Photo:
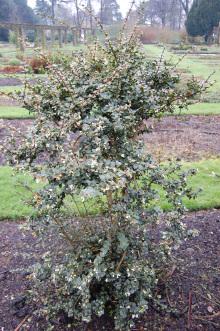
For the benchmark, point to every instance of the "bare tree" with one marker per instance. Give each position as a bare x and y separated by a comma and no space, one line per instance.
186,4
101,10
164,12
90,8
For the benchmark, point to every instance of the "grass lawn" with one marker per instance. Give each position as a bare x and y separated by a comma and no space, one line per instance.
9,51
10,112
14,113
208,179
202,109
13,195
9,89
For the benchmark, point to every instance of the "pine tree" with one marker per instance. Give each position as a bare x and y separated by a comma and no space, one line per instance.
203,17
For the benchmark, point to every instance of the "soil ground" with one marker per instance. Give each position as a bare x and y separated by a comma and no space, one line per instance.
193,288
10,81
6,101
188,137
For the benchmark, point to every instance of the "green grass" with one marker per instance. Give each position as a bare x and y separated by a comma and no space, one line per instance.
13,195
9,112
14,113
208,179
9,51
202,109
9,89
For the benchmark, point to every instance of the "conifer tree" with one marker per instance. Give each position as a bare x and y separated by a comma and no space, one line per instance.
203,17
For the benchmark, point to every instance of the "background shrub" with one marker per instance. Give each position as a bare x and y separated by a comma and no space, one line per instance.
20,56
38,64
14,62
12,37
150,35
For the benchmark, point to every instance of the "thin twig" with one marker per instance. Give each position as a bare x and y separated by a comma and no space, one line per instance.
21,323
190,311
207,317
121,261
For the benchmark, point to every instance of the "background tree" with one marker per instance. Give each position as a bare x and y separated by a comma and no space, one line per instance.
42,9
167,13
15,11
46,10
186,4
90,8
6,7
23,13
109,12
203,17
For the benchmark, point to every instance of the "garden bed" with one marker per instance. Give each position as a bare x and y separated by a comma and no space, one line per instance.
193,288
188,137
10,81
18,124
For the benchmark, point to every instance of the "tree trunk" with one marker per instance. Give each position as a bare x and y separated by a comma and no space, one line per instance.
53,5
101,11
90,17
78,25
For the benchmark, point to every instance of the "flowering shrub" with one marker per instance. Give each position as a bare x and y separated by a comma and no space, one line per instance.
86,145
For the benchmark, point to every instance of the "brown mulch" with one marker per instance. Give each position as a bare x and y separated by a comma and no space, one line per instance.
188,137
192,291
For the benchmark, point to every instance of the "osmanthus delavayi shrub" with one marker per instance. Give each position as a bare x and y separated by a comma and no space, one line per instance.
86,146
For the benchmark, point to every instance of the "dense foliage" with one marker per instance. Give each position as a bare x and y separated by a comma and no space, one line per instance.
203,17
86,147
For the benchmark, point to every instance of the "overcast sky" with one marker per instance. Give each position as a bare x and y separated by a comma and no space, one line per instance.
124,4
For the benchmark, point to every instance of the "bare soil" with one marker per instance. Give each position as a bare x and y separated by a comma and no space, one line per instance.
187,137
10,81
5,125
6,101
192,291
